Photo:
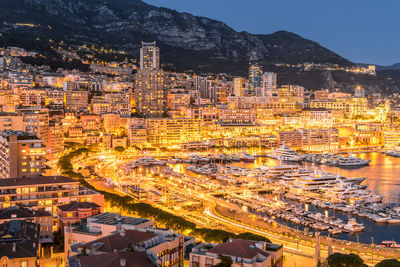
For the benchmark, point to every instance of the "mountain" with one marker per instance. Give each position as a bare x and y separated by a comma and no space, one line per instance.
185,40
395,66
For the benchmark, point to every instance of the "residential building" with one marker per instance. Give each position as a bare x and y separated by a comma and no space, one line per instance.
269,85
101,225
150,94
149,56
36,121
41,217
313,139
33,97
255,78
113,259
74,212
55,142
11,121
21,155
112,122
44,193
90,122
76,100
163,246
238,86
19,243
244,253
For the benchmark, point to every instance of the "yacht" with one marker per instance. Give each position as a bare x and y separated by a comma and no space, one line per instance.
353,226
284,153
393,153
246,157
352,162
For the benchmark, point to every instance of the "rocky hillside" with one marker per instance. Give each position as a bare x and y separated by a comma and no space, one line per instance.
187,42
124,23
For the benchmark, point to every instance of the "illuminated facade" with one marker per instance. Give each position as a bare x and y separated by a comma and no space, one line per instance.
150,93
149,56
255,78
21,155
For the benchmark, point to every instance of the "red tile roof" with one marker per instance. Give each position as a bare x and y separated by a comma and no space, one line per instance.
239,248
119,242
113,259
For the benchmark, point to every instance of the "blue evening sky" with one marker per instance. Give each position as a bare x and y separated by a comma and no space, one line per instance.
362,31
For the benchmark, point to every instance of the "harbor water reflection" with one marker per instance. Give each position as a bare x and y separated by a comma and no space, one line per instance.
383,178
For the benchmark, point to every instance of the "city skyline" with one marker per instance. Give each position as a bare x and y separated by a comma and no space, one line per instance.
362,32
278,154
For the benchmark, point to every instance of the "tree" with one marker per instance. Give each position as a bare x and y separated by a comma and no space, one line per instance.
119,149
226,261
251,236
388,263
345,260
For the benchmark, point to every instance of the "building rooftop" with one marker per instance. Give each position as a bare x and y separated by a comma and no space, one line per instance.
114,259
119,241
14,230
15,212
110,218
20,135
239,248
78,206
36,180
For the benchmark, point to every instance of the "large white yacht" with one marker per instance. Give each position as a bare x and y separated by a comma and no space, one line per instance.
352,162
284,153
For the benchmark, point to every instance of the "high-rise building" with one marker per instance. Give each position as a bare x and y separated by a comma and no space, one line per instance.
201,84
55,141
149,56
238,86
269,84
150,93
255,78
21,155
36,121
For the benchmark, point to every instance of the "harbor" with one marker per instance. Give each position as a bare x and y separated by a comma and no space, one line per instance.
379,217
348,204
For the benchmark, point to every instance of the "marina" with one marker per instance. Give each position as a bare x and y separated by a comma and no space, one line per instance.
378,216
349,204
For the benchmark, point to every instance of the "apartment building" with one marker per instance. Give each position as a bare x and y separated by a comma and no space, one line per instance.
44,193
21,154
100,225
244,253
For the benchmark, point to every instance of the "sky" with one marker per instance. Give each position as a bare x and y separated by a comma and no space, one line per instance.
362,31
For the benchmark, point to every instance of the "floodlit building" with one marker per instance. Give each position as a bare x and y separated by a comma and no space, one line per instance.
149,56
255,78
21,155
44,193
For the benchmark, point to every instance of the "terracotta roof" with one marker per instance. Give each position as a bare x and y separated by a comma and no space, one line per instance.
11,182
113,259
119,242
78,205
239,248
